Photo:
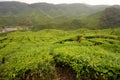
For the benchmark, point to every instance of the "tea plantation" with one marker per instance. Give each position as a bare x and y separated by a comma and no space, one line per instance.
52,54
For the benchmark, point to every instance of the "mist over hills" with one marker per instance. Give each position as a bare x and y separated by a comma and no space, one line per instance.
65,9
62,16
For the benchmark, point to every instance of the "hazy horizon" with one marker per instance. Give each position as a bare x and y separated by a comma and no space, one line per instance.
90,2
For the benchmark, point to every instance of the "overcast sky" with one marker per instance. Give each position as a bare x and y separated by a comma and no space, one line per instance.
93,2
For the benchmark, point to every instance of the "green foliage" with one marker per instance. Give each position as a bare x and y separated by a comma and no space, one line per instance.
110,17
40,16
92,54
34,54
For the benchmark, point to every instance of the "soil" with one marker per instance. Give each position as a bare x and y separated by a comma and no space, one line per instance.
65,73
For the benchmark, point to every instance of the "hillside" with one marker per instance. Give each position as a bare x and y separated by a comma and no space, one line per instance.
44,41
9,8
52,54
108,18
50,9
111,17
39,16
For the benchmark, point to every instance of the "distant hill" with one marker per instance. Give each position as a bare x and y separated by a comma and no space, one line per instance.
108,18
39,16
7,8
111,17
50,9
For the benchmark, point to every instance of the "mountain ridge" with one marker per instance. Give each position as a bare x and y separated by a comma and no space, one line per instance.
63,16
20,5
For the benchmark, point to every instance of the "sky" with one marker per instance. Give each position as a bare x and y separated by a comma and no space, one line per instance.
92,2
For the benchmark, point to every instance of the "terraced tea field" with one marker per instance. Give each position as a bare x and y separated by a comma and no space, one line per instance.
60,55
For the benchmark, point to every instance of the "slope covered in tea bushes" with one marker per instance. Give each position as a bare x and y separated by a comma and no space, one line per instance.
48,54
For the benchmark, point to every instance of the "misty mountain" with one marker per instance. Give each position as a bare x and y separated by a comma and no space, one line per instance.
13,8
111,17
49,9
59,16
108,18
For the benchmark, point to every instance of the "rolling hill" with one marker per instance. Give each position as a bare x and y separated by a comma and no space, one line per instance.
39,16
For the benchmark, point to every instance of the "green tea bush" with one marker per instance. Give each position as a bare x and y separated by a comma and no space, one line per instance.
91,54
